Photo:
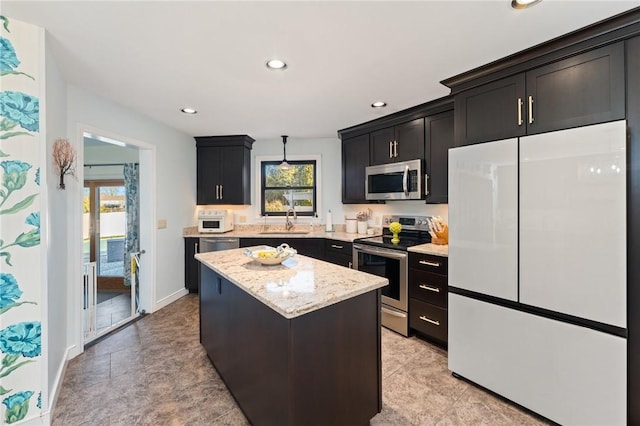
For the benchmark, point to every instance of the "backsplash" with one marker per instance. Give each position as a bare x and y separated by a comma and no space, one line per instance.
248,215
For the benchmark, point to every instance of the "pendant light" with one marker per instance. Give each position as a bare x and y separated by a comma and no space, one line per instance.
284,165
523,4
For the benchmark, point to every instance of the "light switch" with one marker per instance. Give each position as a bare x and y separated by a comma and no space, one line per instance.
162,223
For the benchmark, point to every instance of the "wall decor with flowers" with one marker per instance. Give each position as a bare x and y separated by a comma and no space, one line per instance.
20,251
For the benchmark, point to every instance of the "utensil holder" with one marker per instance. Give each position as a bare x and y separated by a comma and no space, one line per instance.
442,237
362,227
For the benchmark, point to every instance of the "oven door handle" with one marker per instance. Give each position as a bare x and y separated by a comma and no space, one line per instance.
393,313
381,253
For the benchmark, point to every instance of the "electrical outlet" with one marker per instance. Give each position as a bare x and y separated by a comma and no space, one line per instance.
242,219
162,223
377,220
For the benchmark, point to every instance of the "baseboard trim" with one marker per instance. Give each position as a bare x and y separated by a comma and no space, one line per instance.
45,417
53,399
170,299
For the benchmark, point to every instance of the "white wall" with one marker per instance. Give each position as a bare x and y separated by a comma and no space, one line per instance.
175,176
330,196
58,290
106,153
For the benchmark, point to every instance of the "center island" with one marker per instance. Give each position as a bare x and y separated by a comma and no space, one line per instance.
296,343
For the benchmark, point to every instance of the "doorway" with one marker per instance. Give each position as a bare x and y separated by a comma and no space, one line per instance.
104,207
111,247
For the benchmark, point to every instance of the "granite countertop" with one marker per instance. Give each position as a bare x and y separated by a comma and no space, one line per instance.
434,249
255,232
297,286
249,231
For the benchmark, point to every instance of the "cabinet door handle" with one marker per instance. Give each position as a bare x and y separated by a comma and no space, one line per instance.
426,184
195,247
217,192
221,196
530,109
390,149
395,148
428,287
336,246
429,320
426,262
519,111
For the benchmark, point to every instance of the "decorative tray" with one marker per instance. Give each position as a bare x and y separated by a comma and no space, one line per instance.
267,255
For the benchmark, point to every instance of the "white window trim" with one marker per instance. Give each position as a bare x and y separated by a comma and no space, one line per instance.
257,199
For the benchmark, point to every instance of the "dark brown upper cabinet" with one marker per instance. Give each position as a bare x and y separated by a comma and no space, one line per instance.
355,158
398,143
412,134
438,139
584,89
490,112
224,169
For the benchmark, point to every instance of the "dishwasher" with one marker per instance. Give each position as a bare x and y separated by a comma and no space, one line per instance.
194,246
208,244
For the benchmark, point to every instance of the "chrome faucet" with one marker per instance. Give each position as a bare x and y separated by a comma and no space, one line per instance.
288,224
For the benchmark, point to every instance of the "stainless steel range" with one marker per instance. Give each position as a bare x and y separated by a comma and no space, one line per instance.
379,256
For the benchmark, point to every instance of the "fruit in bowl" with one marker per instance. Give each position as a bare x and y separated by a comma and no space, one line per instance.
267,255
264,254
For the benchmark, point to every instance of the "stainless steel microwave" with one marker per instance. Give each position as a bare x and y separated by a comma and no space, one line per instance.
394,181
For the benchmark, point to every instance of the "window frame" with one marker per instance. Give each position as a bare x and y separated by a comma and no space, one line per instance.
264,162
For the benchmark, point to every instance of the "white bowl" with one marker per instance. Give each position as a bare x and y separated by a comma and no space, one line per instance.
267,255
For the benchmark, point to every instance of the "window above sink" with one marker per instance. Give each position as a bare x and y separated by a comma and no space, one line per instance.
294,188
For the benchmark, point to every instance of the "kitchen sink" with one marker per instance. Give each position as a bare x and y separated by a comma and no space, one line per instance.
285,232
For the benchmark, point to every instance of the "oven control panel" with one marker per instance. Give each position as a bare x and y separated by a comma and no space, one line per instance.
420,223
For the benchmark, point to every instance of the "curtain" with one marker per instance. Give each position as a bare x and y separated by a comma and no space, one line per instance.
132,207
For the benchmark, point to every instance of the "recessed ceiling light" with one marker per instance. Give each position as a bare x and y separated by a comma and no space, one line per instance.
276,64
523,4
378,104
188,110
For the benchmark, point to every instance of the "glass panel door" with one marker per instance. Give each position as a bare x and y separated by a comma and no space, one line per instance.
104,228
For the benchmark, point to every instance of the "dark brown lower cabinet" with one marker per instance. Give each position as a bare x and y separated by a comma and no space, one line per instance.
428,289
338,252
429,320
321,368
191,265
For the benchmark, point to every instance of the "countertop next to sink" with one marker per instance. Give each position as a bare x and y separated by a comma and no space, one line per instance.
298,286
254,232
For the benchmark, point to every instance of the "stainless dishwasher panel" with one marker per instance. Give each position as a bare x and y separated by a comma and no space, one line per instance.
216,244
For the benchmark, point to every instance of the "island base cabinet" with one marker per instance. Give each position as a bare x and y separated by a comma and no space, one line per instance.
320,368
570,374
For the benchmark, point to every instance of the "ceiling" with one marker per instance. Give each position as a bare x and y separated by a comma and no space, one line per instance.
158,56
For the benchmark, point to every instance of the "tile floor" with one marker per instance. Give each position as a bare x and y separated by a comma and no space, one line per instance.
112,311
154,372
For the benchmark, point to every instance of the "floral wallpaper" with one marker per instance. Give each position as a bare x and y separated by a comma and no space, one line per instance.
20,255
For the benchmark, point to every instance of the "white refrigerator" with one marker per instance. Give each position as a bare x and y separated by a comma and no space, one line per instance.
537,271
